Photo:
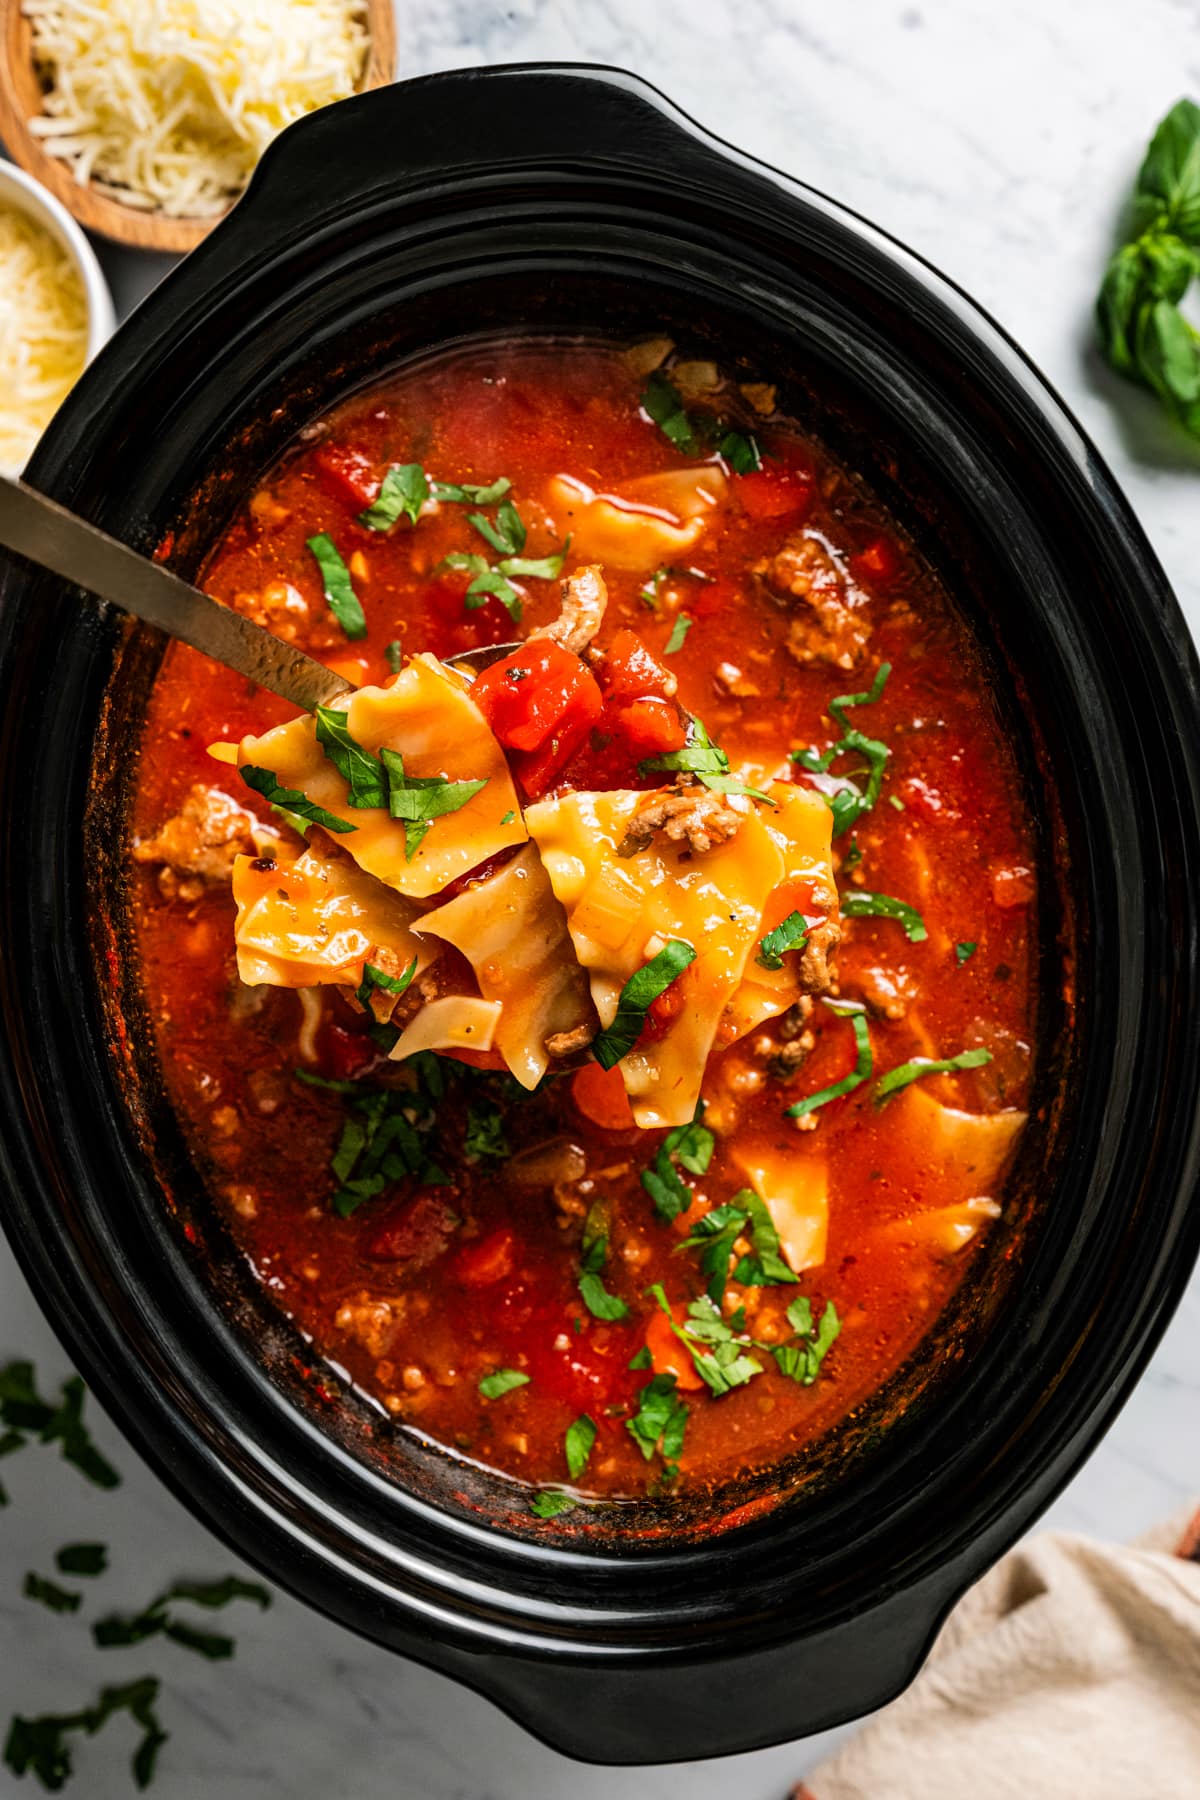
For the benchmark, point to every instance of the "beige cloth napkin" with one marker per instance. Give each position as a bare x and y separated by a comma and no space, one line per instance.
1070,1672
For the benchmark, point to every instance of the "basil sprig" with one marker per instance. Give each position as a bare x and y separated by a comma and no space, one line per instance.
920,1066
1142,331
344,603
636,997
858,904
846,800
856,1013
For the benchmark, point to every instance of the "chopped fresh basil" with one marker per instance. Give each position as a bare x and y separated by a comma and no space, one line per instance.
679,630
845,1009
661,403
717,1351
389,984
81,1559
699,756
660,1420
637,996
420,799
964,952
908,1072
343,602
24,1413
486,580
714,1236
648,592
485,1131
49,1594
363,772
853,855
765,1267
507,534
385,1137
578,1444
693,1145
895,801
800,1359
550,1503
40,1746
502,1381
508,818
404,490
790,934
536,568
265,782
292,820
641,1359
857,904
120,1630
462,492
599,1302
394,655
845,798
740,450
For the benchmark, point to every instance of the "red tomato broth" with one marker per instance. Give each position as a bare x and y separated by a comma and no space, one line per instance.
488,1271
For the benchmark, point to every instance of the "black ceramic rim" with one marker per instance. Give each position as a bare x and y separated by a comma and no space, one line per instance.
621,1659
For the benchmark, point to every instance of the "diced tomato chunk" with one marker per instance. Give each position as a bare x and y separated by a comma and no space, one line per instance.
878,563
539,693
416,1232
493,1258
630,671
600,1096
668,1356
349,475
773,492
663,1010
651,726
578,1372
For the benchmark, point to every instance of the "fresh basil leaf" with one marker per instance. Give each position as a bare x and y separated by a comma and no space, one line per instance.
404,490
662,404
578,1444
699,756
964,952
264,782
637,996
599,1302
507,534
859,1073
641,1359
1168,184
671,1195
358,767
550,1503
420,799
473,496
486,581
858,904
714,1236
211,1644
692,1143
679,630
49,1594
293,821
648,592
790,934
869,696
343,602
766,1267
537,568
908,1072
394,655
660,1419
389,984
801,1359
81,1559
740,450
502,1381
485,1135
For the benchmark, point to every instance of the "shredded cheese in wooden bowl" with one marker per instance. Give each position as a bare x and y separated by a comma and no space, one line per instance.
167,105
43,332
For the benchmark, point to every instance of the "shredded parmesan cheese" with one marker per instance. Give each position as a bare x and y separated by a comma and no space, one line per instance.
167,105
43,333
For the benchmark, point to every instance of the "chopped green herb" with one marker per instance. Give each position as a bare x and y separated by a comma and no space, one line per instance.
40,1745
693,1145
800,1359
714,1236
660,1420
385,1137
964,952
550,1503
58,1599
578,1444
845,1009
119,1630
22,1410
292,820
661,403
420,799
679,630
507,534
853,855
765,1267
897,802
648,592
637,996
641,1359
343,602
857,904
908,1072
394,655
404,490
791,934
508,817
485,1131
486,581
719,1354
502,1381
845,799
740,450
599,1302
704,759
363,772
389,984
462,492
81,1559
264,782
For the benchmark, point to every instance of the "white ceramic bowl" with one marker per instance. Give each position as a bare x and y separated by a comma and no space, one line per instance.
30,197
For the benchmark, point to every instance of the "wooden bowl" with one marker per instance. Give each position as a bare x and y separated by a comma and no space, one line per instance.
21,100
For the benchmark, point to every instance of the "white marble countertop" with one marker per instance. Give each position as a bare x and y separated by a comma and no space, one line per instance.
999,142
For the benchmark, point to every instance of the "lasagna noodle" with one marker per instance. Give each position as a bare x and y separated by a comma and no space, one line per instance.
315,922
513,932
793,1185
622,909
426,714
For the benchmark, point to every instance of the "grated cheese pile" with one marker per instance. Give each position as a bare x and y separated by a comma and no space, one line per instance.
167,105
43,333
